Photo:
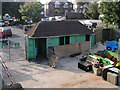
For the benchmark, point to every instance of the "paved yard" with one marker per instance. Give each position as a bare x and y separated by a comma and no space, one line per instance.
40,75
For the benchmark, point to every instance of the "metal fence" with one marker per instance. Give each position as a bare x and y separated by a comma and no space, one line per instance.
10,50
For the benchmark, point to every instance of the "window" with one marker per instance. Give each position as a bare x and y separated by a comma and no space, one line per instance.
66,5
66,11
67,39
57,6
57,11
85,6
61,40
70,6
72,11
80,11
81,7
87,37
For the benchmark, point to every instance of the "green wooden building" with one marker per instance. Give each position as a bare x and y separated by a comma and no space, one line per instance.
48,34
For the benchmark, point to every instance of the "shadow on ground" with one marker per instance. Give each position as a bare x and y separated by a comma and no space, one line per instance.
17,76
68,64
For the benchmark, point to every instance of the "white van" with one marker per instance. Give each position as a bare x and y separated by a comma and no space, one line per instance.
59,18
52,19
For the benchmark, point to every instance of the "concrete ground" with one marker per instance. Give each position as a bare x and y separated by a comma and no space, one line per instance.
40,75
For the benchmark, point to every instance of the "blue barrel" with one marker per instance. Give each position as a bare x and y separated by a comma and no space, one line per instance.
112,45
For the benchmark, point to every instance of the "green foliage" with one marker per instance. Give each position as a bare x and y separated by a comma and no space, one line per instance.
19,22
56,11
12,9
81,3
62,12
111,12
0,17
31,11
29,26
92,12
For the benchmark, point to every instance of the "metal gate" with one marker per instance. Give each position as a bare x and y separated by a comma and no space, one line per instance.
11,50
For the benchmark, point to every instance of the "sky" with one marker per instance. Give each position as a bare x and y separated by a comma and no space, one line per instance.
43,1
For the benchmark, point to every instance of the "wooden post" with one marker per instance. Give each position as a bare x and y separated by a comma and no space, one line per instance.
119,78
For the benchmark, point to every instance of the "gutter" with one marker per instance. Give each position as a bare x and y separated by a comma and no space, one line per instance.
59,36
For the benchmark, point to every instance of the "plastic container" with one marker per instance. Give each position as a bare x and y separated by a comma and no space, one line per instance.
17,45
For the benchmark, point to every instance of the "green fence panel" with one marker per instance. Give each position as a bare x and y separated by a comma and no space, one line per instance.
92,39
30,48
77,38
53,41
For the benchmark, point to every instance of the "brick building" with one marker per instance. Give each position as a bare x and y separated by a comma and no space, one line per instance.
57,7
78,8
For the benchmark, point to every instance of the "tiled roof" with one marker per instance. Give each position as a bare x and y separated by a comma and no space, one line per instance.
58,28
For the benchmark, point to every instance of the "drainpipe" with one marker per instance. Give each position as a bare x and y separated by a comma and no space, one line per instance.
119,47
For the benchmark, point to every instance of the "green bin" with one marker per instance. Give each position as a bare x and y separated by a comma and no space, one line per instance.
1,45
17,45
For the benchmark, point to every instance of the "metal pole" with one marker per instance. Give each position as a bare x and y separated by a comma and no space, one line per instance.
1,68
2,78
9,47
1,65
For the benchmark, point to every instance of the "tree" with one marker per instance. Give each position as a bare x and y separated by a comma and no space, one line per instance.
81,3
92,12
56,10
31,11
111,12
12,9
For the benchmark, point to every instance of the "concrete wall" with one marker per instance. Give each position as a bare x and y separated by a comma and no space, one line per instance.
98,35
84,46
70,49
